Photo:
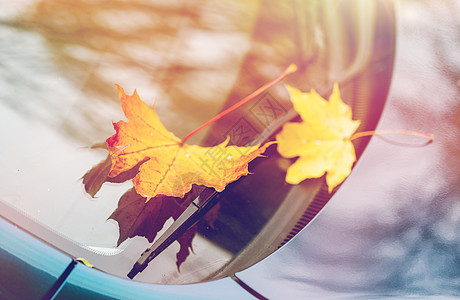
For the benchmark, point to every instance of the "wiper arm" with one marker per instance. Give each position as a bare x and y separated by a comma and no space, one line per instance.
197,209
187,219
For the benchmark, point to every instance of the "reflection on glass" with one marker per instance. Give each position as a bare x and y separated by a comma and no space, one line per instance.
60,60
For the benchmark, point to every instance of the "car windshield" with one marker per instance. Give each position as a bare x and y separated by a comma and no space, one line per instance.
191,59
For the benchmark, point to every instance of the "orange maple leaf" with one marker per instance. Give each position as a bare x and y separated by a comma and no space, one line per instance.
171,166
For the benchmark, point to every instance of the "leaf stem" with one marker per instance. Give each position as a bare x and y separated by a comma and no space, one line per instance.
289,70
391,131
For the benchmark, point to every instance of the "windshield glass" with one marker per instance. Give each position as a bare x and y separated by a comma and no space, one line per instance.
61,59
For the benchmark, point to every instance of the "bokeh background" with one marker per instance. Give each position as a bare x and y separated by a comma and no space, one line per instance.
392,228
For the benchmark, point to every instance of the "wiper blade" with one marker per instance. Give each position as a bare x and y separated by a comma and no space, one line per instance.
187,219
197,209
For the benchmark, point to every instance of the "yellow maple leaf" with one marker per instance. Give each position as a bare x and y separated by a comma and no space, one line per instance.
171,166
321,141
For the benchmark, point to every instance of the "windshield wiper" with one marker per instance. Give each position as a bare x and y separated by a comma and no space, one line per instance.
198,208
192,214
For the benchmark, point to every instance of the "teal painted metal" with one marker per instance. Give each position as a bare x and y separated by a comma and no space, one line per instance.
88,283
28,267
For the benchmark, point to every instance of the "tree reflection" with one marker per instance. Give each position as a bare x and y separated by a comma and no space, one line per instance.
189,55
